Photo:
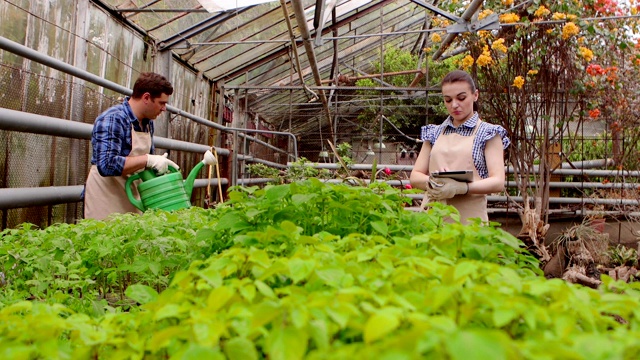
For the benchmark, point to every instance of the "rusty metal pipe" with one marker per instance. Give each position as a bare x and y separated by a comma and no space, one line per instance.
306,39
466,16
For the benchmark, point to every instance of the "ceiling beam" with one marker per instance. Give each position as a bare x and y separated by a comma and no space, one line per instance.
186,34
282,51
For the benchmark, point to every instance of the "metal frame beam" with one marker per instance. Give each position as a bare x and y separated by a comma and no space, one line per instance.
285,49
186,34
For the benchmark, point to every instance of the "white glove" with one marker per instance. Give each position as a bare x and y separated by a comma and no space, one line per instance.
209,158
445,188
160,163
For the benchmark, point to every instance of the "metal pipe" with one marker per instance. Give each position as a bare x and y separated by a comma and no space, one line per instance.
137,10
466,16
13,120
581,185
508,170
254,181
344,37
13,198
328,88
568,200
311,55
294,46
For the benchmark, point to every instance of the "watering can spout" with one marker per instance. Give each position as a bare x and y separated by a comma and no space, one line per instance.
209,159
188,183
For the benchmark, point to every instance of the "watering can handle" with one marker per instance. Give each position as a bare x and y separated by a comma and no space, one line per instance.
127,188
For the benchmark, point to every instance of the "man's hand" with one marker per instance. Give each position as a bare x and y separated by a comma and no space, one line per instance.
446,189
160,163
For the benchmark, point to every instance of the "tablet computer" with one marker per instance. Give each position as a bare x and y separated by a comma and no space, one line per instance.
460,175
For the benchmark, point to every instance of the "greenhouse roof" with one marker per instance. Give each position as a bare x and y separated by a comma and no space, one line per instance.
246,45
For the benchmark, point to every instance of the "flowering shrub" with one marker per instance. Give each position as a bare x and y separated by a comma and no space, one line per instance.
549,64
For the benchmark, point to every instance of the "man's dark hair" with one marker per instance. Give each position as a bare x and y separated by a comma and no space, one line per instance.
154,84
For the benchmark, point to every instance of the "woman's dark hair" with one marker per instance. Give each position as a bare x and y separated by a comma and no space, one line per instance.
154,84
461,75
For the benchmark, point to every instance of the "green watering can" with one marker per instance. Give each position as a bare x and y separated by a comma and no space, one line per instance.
168,191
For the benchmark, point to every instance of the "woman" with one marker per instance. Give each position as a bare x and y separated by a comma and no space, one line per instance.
461,142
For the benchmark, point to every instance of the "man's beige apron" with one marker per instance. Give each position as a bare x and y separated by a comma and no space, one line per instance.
105,195
454,152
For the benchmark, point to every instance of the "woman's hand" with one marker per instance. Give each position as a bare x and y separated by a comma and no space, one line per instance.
445,188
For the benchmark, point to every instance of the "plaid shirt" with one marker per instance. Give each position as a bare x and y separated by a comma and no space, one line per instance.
111,138
485,133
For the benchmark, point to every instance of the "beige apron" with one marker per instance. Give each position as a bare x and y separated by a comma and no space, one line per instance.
105,195
454,152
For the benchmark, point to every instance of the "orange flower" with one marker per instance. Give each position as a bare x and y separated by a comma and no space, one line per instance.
587,54
484,13
467,61
518,82
509,18
542,11
498,45
569,29
558,16
485,58
594,114
595,69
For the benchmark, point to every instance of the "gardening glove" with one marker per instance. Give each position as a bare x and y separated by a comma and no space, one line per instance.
209,158
445,188
160,163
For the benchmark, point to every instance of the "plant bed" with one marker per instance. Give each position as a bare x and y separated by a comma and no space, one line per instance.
303,270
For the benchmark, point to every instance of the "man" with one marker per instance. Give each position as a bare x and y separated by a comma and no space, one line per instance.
122,142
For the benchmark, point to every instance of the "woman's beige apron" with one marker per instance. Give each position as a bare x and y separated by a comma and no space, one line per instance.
455,152
105,195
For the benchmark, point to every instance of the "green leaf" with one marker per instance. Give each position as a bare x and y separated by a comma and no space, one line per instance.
301,199
502,317
154,267
205,234
263,313
380,227
287,343
331,277
240,348
233,222
320,334
167,311
379,325
248,292
219,297
477,344
264,289
277,192
198,352
162,338
300,269
141,293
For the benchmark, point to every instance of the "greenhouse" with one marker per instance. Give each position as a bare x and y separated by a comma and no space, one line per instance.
319,179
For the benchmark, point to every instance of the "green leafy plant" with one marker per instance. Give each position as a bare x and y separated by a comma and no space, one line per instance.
264,171
315,270
621,255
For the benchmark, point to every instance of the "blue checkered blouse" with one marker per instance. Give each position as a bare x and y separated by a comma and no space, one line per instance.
111,138
485,133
